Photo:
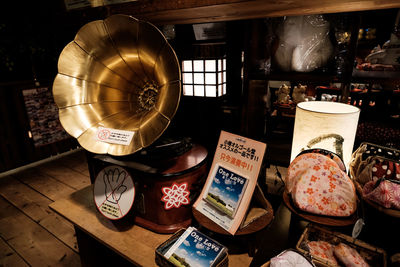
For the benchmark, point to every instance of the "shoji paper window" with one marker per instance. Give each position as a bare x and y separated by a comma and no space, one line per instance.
204,77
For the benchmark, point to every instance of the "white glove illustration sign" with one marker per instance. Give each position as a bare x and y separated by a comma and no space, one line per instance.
114,192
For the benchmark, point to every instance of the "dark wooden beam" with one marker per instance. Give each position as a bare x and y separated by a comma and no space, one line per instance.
162,12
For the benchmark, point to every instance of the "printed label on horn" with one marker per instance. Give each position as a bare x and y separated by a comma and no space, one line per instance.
114,192
114,136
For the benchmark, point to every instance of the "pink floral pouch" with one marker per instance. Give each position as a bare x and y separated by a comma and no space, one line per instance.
323,250
318,185
349,256
383,192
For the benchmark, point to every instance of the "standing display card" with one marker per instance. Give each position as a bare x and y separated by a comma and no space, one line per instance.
230,184
193,248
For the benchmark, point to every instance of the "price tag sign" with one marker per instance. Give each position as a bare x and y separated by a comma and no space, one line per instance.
357,228
114,136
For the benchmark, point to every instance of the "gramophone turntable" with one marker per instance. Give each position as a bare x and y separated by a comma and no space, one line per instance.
117,89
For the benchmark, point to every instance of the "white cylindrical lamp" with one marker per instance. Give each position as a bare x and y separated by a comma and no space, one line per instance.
328,125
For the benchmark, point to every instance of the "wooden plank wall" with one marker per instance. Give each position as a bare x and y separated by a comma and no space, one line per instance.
31,234
14,128
16,148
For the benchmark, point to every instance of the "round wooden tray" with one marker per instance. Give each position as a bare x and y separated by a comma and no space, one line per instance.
320,219
254,226
390,212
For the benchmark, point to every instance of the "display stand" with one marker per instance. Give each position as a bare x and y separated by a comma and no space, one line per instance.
259,215
320,219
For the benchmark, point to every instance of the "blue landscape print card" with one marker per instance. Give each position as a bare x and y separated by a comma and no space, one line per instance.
195,249
226,190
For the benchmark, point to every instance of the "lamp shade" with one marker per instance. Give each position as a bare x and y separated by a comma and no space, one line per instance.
328,125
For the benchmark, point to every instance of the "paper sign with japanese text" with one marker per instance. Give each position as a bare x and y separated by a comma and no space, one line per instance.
114,192
230,184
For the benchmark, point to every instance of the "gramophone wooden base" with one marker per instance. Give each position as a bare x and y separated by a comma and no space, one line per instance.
150,209
162,229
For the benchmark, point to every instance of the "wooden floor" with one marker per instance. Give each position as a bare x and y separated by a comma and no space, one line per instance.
30,233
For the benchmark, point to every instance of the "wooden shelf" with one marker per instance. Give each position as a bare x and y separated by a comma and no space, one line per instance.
376,76
296,76
318,77
120,239
162,12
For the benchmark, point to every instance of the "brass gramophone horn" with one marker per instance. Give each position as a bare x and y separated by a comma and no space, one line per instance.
118,73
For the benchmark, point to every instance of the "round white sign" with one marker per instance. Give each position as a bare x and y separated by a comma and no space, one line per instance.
114,192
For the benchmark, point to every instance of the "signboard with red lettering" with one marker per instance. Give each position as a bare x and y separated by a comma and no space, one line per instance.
230,184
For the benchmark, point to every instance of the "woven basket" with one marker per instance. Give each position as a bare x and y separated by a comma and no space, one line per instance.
373,256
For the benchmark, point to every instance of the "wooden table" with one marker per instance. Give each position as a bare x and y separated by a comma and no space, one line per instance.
119,243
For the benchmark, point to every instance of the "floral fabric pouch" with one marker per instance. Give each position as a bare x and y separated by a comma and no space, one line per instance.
383,192
323,250
349,256
318,185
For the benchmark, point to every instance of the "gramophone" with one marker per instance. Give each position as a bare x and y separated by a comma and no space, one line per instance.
117,89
